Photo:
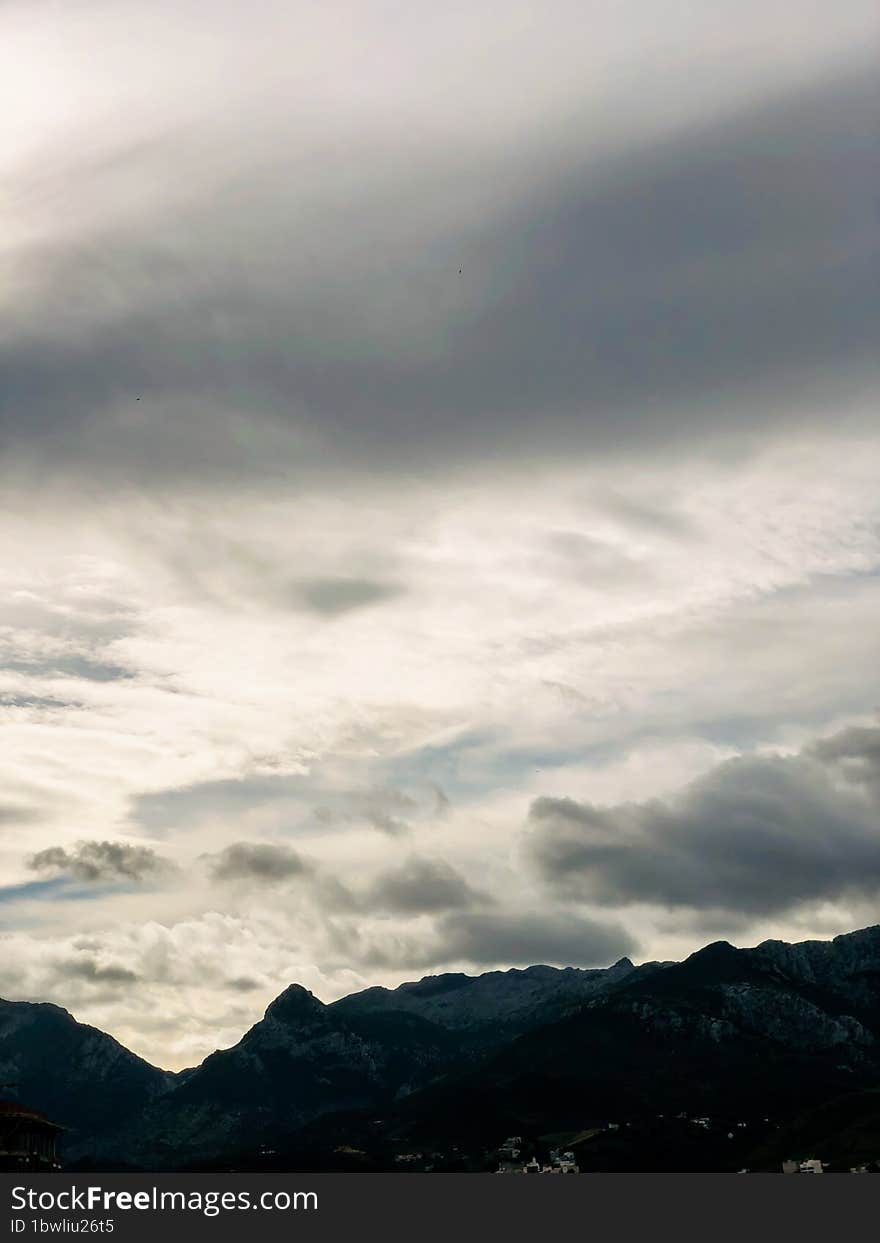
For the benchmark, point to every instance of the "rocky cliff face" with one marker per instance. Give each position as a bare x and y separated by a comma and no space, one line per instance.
816,998
494,1005
848,957
846,969
768,1030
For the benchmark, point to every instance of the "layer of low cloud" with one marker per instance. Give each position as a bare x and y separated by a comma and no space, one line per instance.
558,938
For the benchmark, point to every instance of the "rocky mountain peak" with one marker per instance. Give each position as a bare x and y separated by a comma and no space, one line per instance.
715,961
294,1006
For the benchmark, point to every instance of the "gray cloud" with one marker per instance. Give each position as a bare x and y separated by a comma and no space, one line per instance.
560,938
257,861
854,753
759,834
382,807
12,813
92,972
165,809
332,596
420,885
261,864
442,802
243,984
102,862
495,936
71,667
30,702
684,284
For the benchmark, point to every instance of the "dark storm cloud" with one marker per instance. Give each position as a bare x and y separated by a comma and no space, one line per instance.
257,861
690,283
332,596
758,835
422,885
558,938
102,862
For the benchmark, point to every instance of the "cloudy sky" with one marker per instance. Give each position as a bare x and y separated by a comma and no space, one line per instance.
439,456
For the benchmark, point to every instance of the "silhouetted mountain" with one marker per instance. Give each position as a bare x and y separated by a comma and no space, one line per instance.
454,1060
82,1078
301,1060
305,1059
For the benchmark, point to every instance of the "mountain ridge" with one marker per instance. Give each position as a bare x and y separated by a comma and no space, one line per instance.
765,1028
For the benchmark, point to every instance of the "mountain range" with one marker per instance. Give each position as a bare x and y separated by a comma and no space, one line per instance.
754,1038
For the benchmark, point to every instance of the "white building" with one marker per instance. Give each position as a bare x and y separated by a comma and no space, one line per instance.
811,1166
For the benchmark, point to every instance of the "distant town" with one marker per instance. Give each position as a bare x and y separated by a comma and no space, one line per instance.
576,1152
28,1143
